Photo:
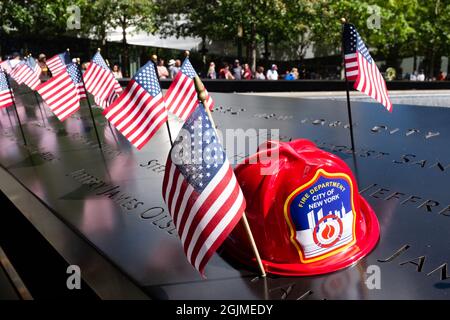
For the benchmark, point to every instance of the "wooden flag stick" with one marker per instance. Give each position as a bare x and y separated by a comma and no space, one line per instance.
15,108
35,95
349,109
40,109
154,59
107,121
202,97
89,104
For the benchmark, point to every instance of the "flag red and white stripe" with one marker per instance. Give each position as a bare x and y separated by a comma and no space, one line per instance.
139,111
351,66
23,73
100,81
181,97
5,99
56,64
105,103
6,95
361,68
368,79
61,95
202,194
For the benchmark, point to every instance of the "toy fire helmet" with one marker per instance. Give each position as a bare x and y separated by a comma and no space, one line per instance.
304,210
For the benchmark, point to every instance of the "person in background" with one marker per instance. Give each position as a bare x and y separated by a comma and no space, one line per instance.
259,75
247,73
272,73
225,73
293,75
15,59
42,63
421,76
84,66
413,76
441,76
294,71
162,70
116,72
222,71
211,71
289,76
173,69
237,70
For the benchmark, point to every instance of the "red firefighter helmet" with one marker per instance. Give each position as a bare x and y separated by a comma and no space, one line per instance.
304,210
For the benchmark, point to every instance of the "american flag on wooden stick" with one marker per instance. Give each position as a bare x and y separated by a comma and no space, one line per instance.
139,111
181,97
361,68
60,94
201,190
27,73
75,74
100,82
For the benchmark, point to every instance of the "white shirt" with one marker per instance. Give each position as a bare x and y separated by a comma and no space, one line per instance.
272,74
260,76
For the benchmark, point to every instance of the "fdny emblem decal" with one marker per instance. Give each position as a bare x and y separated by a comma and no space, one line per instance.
321,216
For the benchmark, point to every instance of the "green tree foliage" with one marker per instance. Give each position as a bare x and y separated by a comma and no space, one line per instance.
101,15
407,27
34,17
49,18
247,21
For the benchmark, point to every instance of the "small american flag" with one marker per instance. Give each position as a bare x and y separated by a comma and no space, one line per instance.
61,95
361,68
139,111
26,72
181,97
100,82
57,63
6,95
75,74
201,190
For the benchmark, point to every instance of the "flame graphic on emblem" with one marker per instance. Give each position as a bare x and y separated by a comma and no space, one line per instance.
328,232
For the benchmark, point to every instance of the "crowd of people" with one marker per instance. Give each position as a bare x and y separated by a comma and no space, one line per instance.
227,71
420,76
244,72
234,71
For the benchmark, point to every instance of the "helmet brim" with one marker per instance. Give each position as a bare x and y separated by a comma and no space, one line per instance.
367,239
